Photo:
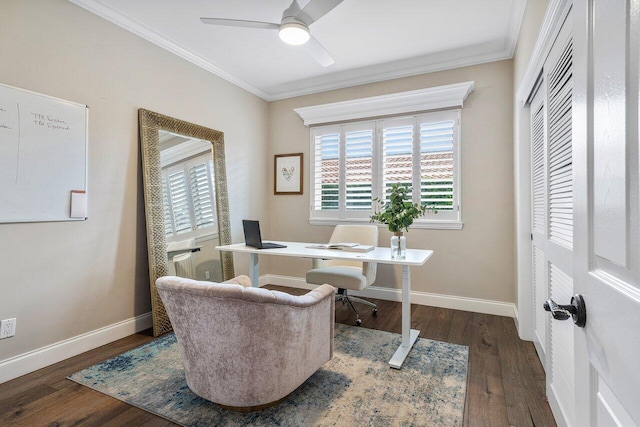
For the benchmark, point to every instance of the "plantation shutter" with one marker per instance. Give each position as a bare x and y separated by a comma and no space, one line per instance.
354,164
397,153
560,169
188,195
212,177
436,164
538,169
166,207
326,170
358,169
202,196
179,202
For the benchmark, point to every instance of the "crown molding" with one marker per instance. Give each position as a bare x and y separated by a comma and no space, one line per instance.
182,151
397,103
496,50
515,22
556,13
472,55
102,10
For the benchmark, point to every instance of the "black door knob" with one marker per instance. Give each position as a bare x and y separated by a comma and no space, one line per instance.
576,310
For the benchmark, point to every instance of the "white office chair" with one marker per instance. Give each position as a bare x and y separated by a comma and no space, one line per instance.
183,265
347,275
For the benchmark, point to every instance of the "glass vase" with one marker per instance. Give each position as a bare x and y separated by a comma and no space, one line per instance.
398,246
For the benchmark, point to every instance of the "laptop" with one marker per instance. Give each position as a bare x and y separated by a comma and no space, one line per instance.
252,236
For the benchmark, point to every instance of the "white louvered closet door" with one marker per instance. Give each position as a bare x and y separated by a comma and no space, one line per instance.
552,205
539,220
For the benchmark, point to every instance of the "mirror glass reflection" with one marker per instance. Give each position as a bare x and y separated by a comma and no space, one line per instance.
189,201
186,204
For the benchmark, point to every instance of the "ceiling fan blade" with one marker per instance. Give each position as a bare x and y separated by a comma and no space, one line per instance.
318,52
316,9
240,23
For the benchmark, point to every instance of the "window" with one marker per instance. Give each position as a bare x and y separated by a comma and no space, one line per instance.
356,162
189,198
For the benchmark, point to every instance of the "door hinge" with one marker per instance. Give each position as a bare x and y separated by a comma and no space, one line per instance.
532,237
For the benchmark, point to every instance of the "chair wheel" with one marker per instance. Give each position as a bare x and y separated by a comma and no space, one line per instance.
374,311
358,322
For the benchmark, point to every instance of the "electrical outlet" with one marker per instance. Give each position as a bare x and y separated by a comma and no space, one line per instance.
207,275
7,328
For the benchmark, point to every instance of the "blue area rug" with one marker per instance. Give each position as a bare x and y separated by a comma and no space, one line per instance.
355,388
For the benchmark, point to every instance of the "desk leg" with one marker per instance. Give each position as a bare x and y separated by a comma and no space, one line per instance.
254,270
409,336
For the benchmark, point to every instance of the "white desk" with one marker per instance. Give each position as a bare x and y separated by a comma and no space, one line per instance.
379,255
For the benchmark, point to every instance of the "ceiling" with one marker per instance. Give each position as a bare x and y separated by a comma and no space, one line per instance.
370,40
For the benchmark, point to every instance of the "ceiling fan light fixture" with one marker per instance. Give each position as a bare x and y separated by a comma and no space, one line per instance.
294,33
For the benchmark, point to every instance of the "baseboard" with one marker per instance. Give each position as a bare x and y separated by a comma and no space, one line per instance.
36,359
422,298
516,318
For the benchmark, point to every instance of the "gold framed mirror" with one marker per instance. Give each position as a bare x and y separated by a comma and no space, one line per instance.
175,162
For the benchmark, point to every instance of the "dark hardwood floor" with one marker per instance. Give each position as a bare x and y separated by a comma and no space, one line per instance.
505,384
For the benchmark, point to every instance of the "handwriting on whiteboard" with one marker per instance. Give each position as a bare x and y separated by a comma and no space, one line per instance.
3,125
50,122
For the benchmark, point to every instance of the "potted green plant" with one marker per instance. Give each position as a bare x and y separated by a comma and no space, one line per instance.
398,214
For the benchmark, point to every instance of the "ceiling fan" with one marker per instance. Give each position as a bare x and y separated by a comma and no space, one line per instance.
294,27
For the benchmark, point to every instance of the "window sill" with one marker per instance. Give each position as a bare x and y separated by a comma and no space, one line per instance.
427,225
200,237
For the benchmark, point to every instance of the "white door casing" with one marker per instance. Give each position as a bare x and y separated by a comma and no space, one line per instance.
607,211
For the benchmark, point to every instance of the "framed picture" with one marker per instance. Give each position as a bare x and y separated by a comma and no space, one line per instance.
288,174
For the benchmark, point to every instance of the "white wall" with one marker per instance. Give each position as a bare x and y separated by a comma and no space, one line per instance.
475,262
64,279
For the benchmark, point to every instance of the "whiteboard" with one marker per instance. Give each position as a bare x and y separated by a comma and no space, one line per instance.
43,155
